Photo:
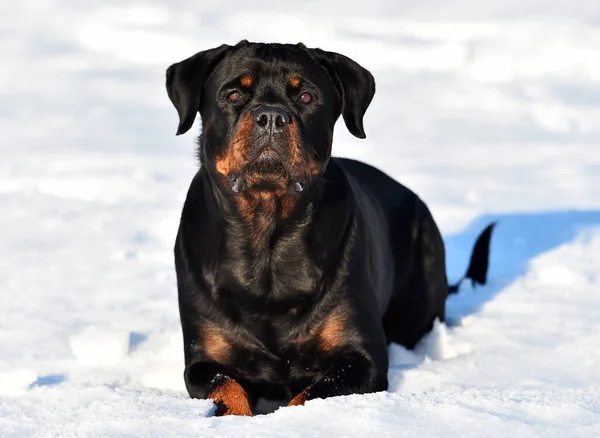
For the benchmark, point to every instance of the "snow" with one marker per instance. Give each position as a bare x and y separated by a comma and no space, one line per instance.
488,110
115,346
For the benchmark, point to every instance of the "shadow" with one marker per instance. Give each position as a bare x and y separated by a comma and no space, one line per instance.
517,239
135,340
265,407
49,380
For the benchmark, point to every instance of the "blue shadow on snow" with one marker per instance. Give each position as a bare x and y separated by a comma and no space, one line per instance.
48,380
517,239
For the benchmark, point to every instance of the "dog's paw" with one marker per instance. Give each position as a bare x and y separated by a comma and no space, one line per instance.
300,399
231,399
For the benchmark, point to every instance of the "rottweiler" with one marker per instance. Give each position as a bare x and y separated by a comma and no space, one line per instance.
295,269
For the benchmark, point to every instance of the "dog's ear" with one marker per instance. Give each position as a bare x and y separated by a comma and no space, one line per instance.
185,80
355,87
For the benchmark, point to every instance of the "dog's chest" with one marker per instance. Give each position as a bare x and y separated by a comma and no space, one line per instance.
268,295
280,278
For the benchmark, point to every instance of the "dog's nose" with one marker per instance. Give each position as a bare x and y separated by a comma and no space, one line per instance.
271,118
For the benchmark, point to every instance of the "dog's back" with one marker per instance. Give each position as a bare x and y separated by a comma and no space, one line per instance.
408,250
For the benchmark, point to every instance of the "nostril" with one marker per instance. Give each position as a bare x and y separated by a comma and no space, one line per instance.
285,118
262,120
280,122
271,118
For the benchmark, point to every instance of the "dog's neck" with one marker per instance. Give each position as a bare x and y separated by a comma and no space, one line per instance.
271,262
256,219
262,248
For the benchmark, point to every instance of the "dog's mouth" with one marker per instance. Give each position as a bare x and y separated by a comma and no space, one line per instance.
266,172
239,183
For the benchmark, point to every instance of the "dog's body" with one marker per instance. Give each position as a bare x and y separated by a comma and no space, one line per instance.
295,270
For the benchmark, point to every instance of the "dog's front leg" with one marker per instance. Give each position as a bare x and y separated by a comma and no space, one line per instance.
204,380
353,373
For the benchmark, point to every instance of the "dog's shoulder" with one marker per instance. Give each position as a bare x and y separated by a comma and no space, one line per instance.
373,189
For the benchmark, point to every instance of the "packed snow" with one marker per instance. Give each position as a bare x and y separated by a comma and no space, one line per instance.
488,110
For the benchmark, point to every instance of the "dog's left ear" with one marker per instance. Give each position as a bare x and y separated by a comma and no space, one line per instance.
185,80
355,87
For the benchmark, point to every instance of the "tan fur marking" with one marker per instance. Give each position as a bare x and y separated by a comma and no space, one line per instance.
300,399
231,399
234,156
288,203
262,208
299,158
259,213
332,333
295,81
313,168
269,202
215,345
295,143
246,81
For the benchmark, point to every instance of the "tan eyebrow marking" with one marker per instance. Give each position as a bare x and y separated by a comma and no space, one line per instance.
295,81
246,81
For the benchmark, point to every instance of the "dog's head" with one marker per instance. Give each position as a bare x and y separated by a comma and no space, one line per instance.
268,111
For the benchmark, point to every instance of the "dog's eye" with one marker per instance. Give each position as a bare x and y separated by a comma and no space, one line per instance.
306,98
234,96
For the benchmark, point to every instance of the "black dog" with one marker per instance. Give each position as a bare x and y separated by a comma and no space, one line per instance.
295,270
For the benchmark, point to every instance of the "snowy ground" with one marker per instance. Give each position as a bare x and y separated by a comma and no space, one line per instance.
488,110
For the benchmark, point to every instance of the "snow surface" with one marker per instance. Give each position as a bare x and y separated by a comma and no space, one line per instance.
489,110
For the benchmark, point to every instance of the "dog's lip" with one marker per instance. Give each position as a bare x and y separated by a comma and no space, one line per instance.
237,181
267,153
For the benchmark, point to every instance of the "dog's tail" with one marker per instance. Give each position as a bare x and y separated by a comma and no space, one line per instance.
480,258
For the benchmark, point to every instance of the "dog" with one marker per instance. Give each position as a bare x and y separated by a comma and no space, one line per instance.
295,269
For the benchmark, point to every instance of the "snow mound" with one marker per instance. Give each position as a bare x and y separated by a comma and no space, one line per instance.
100,346
17,381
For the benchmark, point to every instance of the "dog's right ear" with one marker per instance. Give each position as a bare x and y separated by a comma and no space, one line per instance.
185,80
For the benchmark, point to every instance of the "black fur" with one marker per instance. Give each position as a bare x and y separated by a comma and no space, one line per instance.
295,270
